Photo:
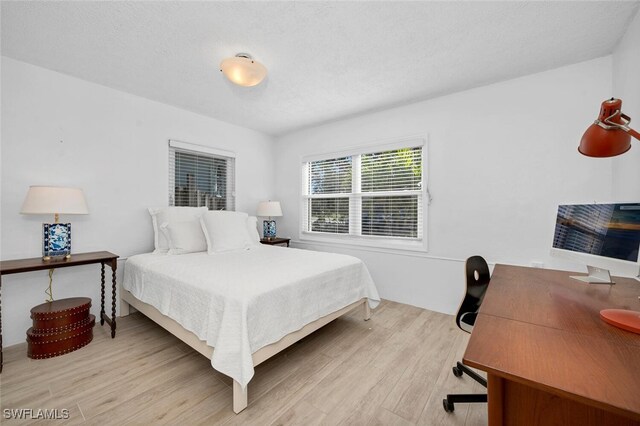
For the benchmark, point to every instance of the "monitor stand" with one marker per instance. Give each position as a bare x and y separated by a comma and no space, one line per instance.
596,276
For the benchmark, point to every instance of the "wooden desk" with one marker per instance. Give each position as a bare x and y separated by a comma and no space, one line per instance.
38,264
549,357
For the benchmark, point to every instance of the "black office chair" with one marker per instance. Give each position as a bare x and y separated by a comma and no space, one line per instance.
478,278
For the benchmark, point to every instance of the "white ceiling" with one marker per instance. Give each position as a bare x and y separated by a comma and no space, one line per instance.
326,60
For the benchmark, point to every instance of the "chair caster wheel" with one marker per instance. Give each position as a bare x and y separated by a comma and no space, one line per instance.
448,406
457,372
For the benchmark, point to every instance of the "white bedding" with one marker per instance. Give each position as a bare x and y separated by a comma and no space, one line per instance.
242,300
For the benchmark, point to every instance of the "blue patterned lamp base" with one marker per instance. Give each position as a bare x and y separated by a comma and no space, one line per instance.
56,239
269,228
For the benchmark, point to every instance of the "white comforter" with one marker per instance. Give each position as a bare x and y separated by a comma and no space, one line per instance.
241,301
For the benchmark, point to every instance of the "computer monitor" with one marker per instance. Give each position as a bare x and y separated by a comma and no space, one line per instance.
605,237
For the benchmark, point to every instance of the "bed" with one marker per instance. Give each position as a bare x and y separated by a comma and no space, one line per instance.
241,307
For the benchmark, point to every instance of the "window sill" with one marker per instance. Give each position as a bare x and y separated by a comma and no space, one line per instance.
415,247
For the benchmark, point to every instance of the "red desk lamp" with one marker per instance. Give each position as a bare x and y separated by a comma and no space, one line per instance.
609,136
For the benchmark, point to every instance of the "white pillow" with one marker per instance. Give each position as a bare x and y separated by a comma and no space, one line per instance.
225,231
184,237
252,228
168,215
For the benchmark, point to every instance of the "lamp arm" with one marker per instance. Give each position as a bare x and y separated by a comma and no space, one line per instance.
609,124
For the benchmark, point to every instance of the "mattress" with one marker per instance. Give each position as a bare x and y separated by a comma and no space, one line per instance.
242,300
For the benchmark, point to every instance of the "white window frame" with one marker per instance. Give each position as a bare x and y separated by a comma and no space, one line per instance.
179,146
369,241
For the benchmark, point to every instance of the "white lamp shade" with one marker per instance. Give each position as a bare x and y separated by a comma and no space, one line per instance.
54,199
243,71
269,209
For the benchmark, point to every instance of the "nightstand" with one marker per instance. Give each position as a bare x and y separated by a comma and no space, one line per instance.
275,241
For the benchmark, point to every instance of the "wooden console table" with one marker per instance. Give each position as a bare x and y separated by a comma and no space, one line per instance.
38,264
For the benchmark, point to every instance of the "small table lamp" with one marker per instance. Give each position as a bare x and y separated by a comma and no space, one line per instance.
269,209
56,237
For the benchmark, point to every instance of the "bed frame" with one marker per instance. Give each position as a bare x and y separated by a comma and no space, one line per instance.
239,394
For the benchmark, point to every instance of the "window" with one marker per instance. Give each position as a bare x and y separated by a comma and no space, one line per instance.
374,195
330,183
200,176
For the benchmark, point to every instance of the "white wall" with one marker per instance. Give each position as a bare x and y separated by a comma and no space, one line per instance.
626,86
59,130
501,158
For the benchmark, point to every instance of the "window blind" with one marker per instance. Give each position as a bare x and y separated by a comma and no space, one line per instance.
200,179
391,192
330,176
374,194
330,183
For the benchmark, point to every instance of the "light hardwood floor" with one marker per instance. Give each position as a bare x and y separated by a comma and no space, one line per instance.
392,370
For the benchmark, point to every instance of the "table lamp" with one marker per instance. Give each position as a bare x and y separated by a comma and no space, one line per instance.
269,209
610,134
56,237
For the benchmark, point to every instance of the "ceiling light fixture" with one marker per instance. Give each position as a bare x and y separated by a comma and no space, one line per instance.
243,70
